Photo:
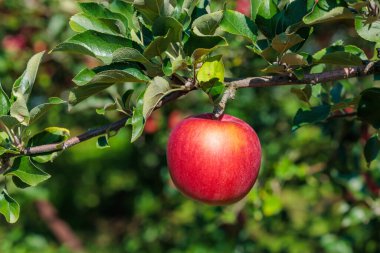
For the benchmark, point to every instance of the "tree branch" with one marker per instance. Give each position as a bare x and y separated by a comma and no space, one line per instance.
250,82
61,229
339,74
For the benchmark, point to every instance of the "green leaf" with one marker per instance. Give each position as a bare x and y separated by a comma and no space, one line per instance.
275,68
4,102
207,24
316,114
162,25
265,15
341,55
24,84
104,14
158,46
38,111
293,59
26,171
368,29
263,8
22,89
125,9
49,135
84,77
368,107
107,107
9,207
126,98
303,94
372,149
211,69
128,54
137,121
8,121
283,41
214,89
20,111
102,142
80,93
152,9
199,46
158,88
327,10
104,77
95,44
82,22
236,23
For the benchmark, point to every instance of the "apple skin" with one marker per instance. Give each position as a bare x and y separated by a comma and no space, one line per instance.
214,161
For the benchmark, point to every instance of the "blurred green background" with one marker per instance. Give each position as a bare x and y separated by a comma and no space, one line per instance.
314,193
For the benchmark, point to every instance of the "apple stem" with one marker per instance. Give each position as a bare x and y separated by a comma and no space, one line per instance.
221,106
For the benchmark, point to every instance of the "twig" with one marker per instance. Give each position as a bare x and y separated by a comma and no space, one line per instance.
221,106
339,74
342,115
59,228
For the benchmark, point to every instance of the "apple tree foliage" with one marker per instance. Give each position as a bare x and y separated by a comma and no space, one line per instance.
151,49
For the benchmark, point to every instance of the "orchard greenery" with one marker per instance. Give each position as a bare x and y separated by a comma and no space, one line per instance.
165,49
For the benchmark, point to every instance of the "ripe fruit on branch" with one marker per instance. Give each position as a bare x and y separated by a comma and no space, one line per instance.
214,161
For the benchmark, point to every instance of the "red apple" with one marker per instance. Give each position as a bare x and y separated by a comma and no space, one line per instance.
174,118
152,123
14,43
214,161
244,7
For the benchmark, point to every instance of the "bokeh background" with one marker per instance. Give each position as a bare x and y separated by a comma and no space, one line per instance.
314,193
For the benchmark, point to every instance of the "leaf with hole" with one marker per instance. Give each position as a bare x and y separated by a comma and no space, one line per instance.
102,142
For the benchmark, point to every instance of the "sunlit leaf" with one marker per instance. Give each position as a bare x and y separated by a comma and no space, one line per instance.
368,29
95,44
236,23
